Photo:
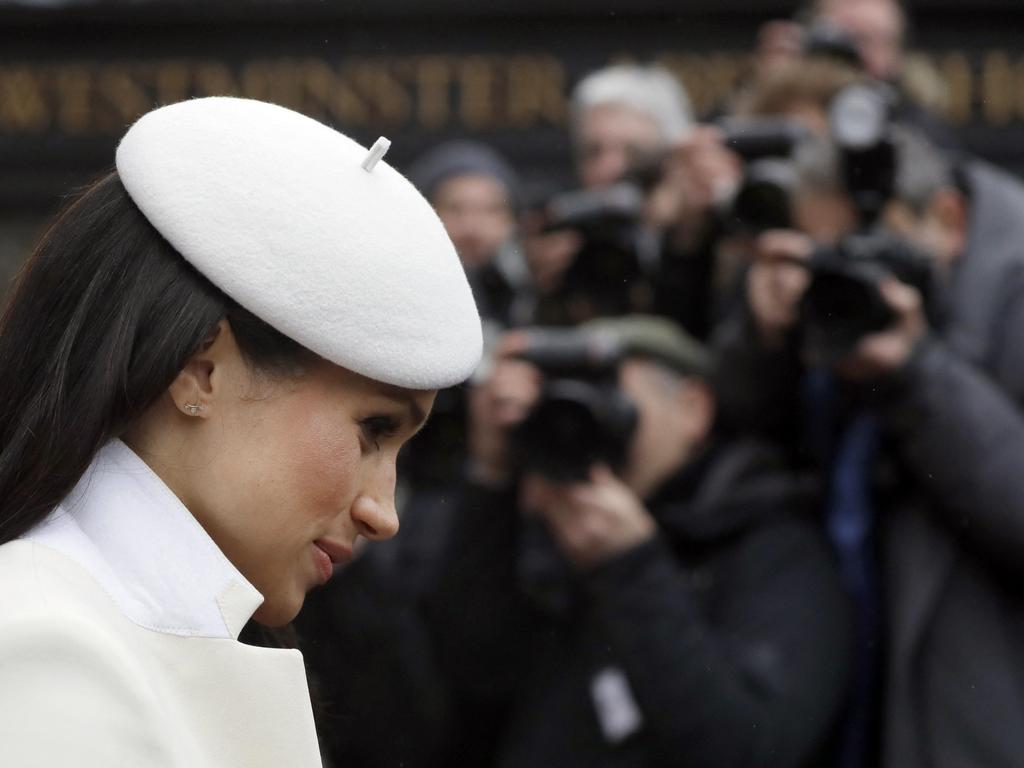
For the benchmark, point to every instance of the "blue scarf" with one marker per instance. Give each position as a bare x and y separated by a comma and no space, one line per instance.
848,453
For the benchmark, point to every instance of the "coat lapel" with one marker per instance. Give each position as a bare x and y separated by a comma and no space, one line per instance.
247,705
920,558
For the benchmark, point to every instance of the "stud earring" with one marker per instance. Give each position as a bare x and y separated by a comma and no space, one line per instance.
193,409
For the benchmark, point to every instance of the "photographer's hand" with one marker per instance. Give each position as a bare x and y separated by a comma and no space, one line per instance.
591,522
699,173
776,282
548,254
887,352
496,406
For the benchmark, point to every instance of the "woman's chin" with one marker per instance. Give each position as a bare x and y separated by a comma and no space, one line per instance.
277,613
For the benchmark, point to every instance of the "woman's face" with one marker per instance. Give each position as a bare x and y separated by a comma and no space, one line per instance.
285,473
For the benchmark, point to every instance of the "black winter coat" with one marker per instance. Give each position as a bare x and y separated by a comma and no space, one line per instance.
722,643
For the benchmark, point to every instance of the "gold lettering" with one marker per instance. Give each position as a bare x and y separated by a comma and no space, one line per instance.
215,79
997,88
326,94
389,102
536,91
74,93
475,81
171,80
276,81
724,72
1018,89
956,73
125,98
23,105
432,79
430,92
692,72
284,77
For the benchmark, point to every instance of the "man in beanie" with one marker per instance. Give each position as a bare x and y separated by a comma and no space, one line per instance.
476,194
675,609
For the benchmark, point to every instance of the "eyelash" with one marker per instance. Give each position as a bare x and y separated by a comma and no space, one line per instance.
376,427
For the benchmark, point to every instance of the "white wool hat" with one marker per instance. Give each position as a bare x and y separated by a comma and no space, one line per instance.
278,211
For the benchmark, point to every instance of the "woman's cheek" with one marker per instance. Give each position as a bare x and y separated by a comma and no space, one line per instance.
325,458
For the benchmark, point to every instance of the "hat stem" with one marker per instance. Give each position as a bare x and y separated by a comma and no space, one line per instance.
377,151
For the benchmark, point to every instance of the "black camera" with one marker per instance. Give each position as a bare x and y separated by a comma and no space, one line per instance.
860,122
607,275
582,417
765,145
843,303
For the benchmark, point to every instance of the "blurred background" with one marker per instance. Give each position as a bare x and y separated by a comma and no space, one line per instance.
75,74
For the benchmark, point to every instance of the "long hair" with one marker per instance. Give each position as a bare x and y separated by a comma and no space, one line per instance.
103,316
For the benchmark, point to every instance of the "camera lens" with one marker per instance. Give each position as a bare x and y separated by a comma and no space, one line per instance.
574,426
842,305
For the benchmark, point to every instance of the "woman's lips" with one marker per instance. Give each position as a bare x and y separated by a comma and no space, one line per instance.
328,554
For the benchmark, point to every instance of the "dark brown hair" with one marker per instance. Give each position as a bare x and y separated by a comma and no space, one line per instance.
103,316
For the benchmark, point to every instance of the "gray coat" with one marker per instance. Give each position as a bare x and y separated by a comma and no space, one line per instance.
955,548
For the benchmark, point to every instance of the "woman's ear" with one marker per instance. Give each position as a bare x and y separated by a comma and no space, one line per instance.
196,387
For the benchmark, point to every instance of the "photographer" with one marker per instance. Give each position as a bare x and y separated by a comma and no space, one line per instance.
672,605
477,196
943,479
871,35
621,116
636,236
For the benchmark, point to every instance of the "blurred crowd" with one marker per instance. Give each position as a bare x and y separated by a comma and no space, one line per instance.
741,479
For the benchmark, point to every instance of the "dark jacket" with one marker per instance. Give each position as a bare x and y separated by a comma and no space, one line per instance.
953,521
955,549
720,643
378,697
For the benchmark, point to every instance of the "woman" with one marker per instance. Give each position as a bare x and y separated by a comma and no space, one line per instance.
206,371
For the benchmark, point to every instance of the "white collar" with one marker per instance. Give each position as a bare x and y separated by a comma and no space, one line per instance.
135,537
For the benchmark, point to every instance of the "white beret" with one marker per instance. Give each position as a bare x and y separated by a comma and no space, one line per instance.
277,211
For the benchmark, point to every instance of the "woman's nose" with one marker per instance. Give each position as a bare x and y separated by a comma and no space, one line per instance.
376,518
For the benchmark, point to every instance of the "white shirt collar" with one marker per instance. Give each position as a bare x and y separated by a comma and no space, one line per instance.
128,529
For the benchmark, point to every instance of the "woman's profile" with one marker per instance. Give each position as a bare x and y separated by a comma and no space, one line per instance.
207,368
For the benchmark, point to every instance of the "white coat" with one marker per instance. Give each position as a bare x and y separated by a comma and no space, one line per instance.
119,620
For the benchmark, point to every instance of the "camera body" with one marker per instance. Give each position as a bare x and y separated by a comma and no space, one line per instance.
607,276
763,200
582,416
843,303
859,125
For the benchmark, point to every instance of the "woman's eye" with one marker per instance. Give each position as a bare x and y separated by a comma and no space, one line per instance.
377,427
